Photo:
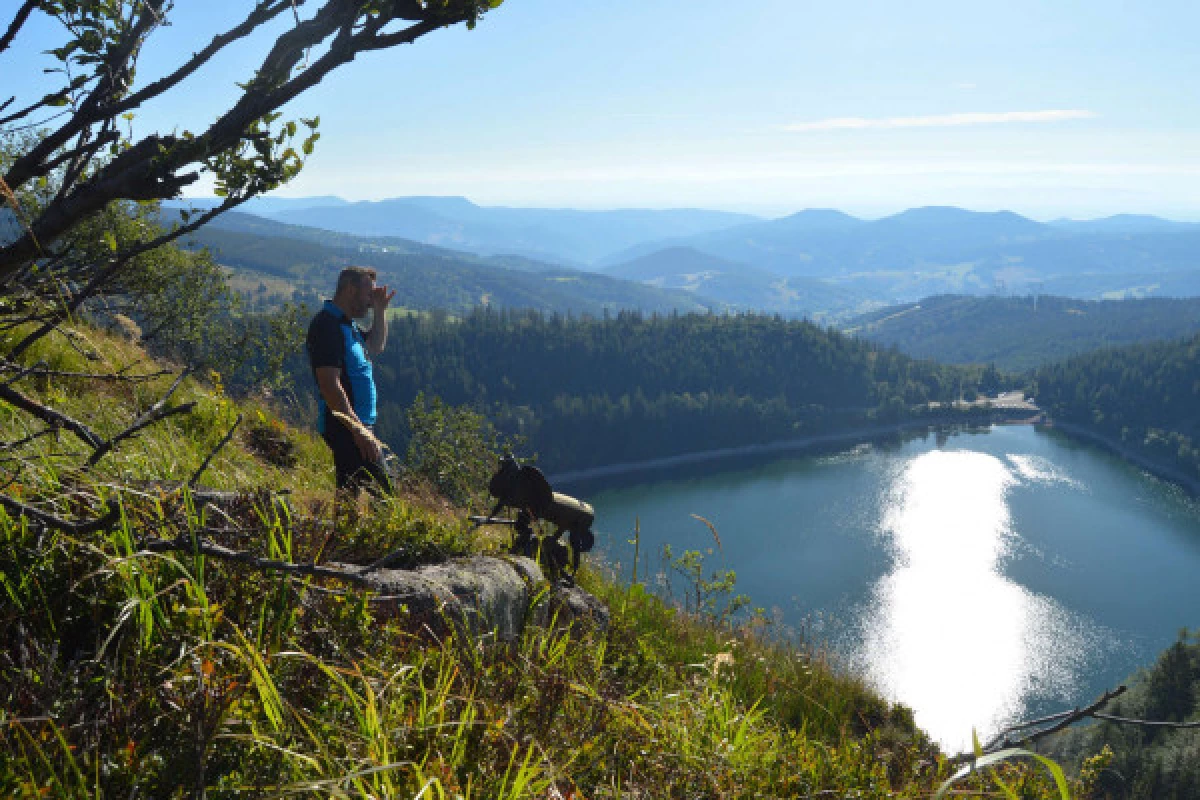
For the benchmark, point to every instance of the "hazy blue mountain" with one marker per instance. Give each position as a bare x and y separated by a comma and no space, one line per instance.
831,261
262,205
427,277
950,250
1120,285
755,241
1017,333
1125,223
239,222
562,235
820,243
739,285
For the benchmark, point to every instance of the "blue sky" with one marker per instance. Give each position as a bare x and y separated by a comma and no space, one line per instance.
1046,108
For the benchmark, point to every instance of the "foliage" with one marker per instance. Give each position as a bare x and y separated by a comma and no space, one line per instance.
126,671
1023,333
427,277
1143,397
454,448
1136,761
713,596
588,391
91,153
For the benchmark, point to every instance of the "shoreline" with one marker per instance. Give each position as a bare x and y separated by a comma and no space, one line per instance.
1158,469
999,416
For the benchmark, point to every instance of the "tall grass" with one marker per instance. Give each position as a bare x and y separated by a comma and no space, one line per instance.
129,673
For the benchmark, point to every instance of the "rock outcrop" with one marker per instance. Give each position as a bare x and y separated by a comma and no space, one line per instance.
481,595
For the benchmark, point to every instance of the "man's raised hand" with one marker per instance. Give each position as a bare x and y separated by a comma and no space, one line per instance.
380,297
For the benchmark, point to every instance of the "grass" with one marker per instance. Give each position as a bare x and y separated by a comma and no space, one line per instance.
126,673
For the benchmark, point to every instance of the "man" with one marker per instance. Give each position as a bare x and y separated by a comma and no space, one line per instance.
340,354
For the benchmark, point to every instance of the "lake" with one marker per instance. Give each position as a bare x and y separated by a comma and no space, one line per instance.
980,578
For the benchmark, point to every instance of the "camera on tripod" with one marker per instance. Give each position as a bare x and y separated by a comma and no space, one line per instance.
525,489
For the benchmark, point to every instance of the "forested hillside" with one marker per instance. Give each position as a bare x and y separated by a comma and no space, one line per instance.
628,387
741,286
1148,761
1143,397
428,277
1018,333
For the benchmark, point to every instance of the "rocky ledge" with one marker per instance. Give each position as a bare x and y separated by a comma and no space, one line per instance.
481,594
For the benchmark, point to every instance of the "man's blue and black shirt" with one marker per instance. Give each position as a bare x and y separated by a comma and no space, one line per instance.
335,340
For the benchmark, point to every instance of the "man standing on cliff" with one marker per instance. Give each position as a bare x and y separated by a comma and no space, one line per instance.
340,354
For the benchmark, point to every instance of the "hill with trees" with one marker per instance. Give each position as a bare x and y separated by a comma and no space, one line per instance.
1142,399
425,277
562,235
1146,760
739,286
627,387
942,250
1021,333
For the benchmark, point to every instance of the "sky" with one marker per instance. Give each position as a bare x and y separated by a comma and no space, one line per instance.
1050,109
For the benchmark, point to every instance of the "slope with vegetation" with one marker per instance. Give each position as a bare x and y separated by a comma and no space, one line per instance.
1021,333
924,251
588,392
1141,400
1158,761
427,277
160,672
740,286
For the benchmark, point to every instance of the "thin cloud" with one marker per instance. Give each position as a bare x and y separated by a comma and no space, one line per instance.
939,120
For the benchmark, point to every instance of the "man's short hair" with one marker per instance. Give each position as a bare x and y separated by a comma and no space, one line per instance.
354,275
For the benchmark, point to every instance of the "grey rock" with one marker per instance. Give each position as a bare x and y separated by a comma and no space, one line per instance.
478,595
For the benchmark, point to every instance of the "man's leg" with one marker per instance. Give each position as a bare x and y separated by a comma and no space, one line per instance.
346,459
353,472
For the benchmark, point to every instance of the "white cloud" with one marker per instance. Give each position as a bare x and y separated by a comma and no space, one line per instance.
939,120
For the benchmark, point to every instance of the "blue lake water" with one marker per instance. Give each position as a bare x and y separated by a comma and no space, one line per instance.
979,577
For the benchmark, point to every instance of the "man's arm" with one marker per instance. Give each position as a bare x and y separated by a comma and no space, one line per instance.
334,395
377,338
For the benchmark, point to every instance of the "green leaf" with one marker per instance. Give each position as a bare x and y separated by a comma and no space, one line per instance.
110,240
1055,770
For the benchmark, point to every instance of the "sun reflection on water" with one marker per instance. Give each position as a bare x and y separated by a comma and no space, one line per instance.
945,632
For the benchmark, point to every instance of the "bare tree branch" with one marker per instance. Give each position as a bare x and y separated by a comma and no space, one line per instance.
224,441
1146,722
186,544
50,520
22,14
152,168
115,265
22,372
1054,724
50,416
262,14
156,412
37,372
26,440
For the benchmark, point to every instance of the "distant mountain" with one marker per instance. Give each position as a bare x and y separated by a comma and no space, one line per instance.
426,277
1125,223
827,244
739,285
940,250
262,205
1018,333
760,243
913,254
562,235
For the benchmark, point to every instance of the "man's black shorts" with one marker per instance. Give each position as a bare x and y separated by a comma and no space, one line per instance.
351,469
